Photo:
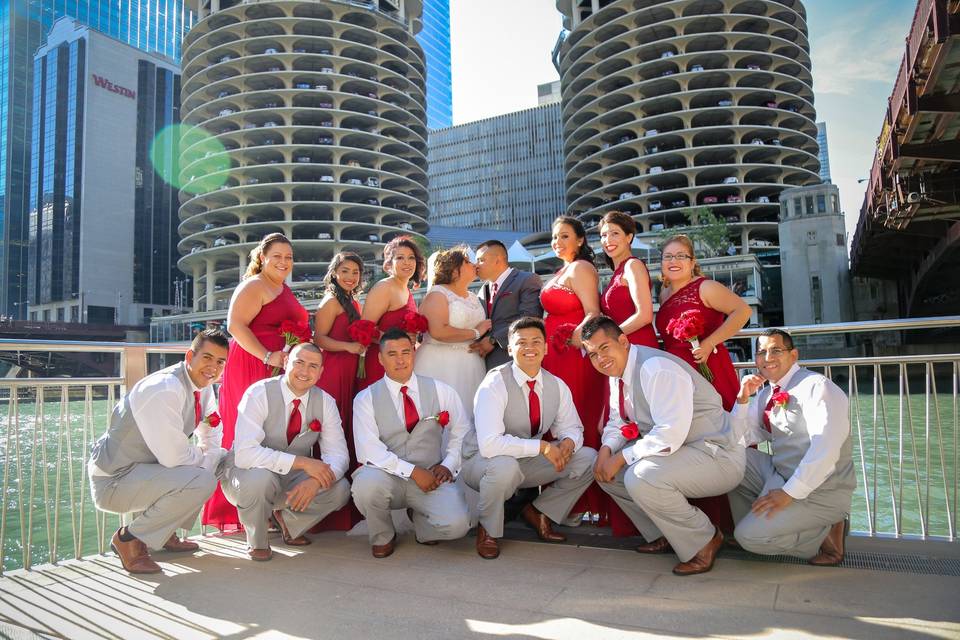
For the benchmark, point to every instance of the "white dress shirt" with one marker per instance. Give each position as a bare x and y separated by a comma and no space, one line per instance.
248,451
366,434
500,280
669,392
156,403
825,411
489,405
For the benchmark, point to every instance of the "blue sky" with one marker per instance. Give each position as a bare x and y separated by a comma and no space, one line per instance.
856,47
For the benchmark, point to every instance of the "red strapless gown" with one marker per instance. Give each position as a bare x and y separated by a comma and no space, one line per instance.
586,384
616,302
241,371
339,379
725,379
390,319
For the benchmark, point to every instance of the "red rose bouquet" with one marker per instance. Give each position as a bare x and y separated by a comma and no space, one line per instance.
443,418
630,431
415,323
293,332
562,337
688,326
362,331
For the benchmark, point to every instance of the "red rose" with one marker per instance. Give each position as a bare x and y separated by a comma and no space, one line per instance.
630,431
213,420
781,399
413,322
443,418
562,336
287,326
687,326
314,426
302,331
362,331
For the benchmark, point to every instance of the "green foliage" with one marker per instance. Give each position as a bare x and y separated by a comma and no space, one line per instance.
708,232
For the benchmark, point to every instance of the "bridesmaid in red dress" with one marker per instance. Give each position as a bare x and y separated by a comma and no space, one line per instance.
390,299
260,303
572,296
337,311
626,299
724,314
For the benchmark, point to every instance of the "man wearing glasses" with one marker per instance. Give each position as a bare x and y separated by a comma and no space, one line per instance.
797,500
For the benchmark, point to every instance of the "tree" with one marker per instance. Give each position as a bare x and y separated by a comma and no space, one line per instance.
707,231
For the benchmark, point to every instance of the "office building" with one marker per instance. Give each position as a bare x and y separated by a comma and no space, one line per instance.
824,154
504,172
150,25
101,221
435,40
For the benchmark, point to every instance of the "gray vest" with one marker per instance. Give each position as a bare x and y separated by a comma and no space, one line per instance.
791,441
423,446
516,415
123,445
710,422
275,426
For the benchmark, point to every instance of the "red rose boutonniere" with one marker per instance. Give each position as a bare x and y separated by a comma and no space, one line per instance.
443,418
630,431
213,420
314,426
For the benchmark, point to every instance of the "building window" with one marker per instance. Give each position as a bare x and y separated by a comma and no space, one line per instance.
797,207
833,202
74,314
46,315
809,203
821,204
811,236
61,314
816,299
840,240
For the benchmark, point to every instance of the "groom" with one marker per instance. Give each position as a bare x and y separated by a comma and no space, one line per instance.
507,295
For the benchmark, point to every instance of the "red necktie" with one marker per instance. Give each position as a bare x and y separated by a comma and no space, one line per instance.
534,408
410,414
493,294
623,404
766,409
295,422
197,411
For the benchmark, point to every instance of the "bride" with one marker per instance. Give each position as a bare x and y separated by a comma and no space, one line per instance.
456,319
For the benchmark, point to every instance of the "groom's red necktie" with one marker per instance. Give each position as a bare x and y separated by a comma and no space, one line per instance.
769,407
410,415
534,408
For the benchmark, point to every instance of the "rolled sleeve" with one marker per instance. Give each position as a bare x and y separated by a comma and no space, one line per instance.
333,443
156,409
828,425
567,423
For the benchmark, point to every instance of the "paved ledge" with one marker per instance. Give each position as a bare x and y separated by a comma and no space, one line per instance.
335,589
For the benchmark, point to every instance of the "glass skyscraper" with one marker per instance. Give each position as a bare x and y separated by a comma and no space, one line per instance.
824,154
435,40
151,25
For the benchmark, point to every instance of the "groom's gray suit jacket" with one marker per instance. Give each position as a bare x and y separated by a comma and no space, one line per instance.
518,297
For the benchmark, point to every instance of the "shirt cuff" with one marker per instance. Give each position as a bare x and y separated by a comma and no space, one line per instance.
531,448
404,469
284,462
614,443
629,455
797,489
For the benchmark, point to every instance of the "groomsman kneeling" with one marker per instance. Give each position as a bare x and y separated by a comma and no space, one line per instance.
398,425
271,469
796,501
515,406
667,439
145,461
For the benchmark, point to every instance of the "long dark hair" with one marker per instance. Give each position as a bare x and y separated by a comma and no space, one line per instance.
584,252
626,224
333,287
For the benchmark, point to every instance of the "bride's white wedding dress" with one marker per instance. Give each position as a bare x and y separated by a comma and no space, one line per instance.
452,362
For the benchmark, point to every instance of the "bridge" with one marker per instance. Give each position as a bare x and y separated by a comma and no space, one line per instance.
909,225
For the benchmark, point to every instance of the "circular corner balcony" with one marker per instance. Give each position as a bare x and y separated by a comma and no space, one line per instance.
305,118
675,104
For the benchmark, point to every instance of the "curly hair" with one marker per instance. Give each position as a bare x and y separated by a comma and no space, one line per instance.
622,220
390,251
255,265
333,287
584,252
688,245
448,264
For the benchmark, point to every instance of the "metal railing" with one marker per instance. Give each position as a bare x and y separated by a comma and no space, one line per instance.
903,416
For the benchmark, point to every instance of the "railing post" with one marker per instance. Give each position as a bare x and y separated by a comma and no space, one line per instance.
133,364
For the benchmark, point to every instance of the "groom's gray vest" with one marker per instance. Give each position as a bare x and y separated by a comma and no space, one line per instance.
516,415
423,446
792,441
710,422
275,425
123,446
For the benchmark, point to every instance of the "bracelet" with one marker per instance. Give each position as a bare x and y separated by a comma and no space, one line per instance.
266,358
546,449
476,334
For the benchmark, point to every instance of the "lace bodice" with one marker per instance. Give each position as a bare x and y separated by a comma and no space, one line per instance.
464,313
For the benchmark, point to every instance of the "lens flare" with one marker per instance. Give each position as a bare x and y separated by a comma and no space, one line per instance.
190,159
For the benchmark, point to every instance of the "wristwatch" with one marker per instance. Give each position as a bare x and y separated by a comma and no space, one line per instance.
266,358
476,334
492,340
546,449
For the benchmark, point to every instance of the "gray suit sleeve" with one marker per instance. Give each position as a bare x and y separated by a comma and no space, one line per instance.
529,293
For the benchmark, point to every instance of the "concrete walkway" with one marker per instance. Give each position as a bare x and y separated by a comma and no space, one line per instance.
335,589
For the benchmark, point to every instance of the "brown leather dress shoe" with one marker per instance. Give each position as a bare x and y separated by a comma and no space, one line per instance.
487,547
175,544
384,550
660,545
541,524
833,547
260,555
703,561
133,555
299,541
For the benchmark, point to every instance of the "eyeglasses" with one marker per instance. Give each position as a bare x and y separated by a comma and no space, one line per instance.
679,257
773,353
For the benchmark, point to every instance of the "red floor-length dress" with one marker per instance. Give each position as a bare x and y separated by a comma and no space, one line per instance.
725,379
390,319
242,370
586,384
616,302
339,379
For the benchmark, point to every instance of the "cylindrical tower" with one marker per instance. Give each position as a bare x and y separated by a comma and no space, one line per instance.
674,104
309,119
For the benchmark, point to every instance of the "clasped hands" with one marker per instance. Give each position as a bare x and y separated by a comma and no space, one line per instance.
608,465
320,477
558,453
430,479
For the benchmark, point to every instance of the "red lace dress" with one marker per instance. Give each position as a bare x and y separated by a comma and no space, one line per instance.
725,379
586,384
242,370
390,319
616,302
